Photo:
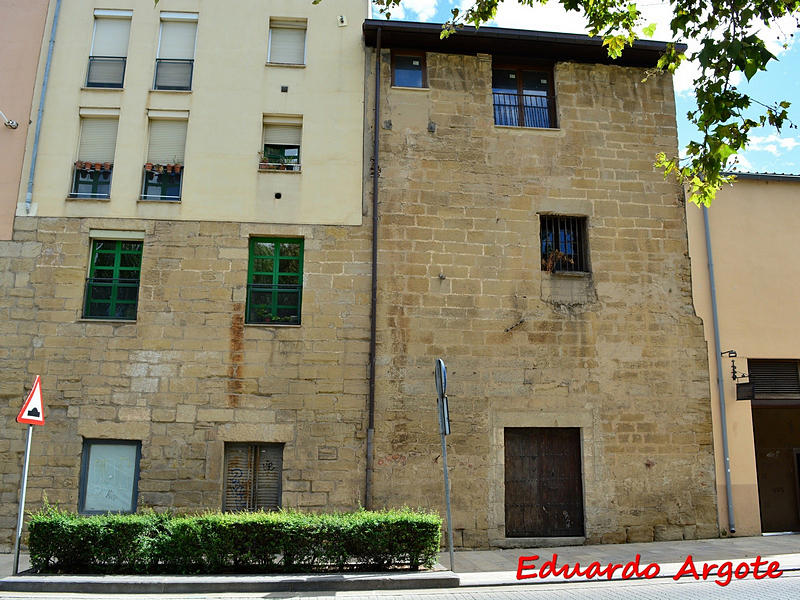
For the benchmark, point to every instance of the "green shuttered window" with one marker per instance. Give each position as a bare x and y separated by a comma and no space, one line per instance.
275,281
112,289
252,477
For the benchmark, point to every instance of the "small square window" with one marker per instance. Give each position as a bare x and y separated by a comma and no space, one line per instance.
563,244
524,97
112,288
409,70
287,42
109,476
253,474
275,281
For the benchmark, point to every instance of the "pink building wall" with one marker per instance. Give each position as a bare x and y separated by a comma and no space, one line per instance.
22,24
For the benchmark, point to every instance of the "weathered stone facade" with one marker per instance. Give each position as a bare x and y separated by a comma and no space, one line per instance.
188,375
619,354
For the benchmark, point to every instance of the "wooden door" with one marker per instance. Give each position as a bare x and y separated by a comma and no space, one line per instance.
543,482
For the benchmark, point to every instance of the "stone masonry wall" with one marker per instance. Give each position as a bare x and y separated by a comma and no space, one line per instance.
619,354
188,375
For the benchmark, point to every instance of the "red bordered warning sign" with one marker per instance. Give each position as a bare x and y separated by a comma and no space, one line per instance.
32,411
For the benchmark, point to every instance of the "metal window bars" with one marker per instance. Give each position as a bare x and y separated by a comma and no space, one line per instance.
173,74
161,184
524,110
563,244
106,71
91,180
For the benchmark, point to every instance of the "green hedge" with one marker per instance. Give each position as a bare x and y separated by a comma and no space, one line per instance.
258,542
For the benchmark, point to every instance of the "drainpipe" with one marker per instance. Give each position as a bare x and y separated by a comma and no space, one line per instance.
374,296
35,151
720,383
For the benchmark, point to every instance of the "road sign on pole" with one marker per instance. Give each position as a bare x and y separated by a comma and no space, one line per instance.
32,413
440,375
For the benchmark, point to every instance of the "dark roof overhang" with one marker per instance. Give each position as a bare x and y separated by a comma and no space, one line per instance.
510,43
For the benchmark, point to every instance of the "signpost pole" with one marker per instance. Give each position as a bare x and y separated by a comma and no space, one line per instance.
447,490
22,499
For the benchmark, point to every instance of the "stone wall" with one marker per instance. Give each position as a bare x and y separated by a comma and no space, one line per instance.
188,375
619,354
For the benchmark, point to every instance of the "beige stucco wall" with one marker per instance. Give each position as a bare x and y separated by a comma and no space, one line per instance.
232,90
754,227
21,26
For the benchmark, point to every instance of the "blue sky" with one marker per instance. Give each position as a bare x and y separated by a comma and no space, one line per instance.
769,151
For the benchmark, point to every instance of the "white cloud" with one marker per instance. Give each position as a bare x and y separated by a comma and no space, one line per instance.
773,143
420,10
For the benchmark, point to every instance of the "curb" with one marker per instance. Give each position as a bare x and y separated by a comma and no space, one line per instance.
188,584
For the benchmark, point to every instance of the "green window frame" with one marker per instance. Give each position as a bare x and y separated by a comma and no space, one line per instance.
274,281
112,288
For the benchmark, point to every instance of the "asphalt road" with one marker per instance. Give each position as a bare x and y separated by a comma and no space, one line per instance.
784,588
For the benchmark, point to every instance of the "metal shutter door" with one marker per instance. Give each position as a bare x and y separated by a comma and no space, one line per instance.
167,142
268,476
774,378
287,45
111,37
98,138
177,39
238,477
285,135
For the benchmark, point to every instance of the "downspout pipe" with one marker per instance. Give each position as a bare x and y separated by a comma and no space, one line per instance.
35,150
720,383
374,296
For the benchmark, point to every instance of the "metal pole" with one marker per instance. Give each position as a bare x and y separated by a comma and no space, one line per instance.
446,487
720,384
22,499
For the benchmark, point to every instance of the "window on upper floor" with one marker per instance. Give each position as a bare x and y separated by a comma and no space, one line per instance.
563,244
91,177
274,281
163,172
109,476
112,288
287,42
253,474
409,69
523,97
175,62
281,144
109,48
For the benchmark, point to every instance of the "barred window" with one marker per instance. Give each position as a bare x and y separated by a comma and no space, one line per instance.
252,477
563,244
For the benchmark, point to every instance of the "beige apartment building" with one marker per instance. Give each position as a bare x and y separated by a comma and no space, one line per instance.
752,229
193,276
21,27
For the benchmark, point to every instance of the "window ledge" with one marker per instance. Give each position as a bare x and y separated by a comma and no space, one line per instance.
120,321
287,325
170,91
71,198
159,200
518,127
286,65
285,171
572,274
415,89
102,89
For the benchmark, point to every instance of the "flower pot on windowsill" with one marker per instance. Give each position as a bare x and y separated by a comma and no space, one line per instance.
177,169
98,166
169,169
106,166
148,166
79,164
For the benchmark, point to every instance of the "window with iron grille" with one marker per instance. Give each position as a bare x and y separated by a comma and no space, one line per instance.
274,281
175,62
524,97
252,477
112,288
109,48
563,244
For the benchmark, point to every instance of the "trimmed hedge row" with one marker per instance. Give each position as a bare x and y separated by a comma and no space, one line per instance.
258,542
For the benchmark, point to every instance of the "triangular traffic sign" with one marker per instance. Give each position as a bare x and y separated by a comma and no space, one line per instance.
32,411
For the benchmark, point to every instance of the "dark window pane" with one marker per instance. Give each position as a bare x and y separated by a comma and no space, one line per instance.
289,265
290,250
264,249
504,80
408,71
536,82
263,265
131,260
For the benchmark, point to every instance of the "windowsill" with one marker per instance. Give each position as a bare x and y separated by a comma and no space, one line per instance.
90,320
170,91
518,127
159,200
414,89
72,198
572,274
286,65
102,89
289,325
283,171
